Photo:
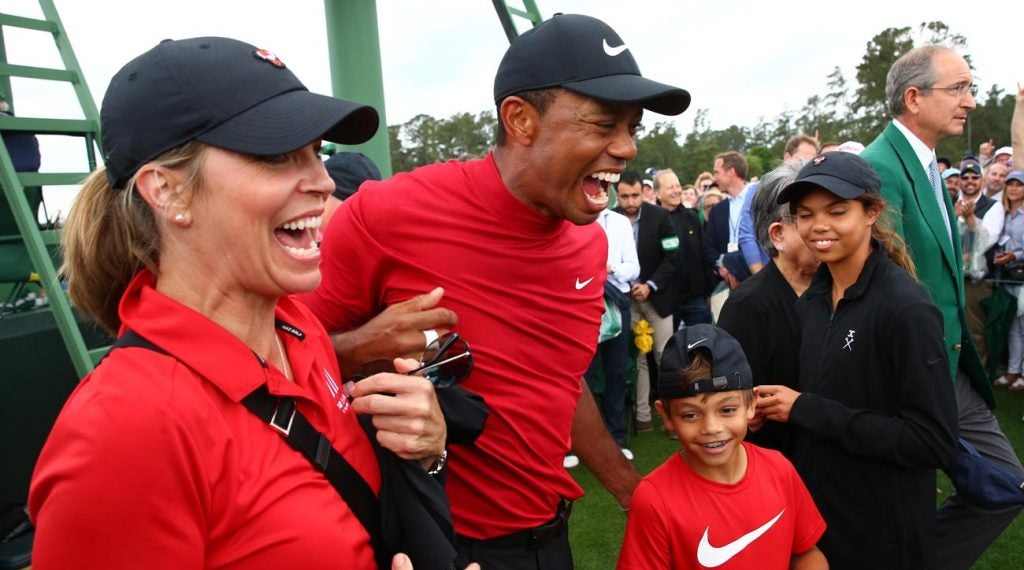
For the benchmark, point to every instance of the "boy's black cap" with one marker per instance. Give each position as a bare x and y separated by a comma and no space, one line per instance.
729,367
842,173
221,92
586,56
349,170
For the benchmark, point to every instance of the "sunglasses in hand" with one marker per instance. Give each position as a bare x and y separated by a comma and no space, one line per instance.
446,361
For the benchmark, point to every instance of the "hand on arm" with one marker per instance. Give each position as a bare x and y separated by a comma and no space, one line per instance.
397,332
405,412
599,452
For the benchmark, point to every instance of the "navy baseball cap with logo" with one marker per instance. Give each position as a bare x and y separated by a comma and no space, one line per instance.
222,92
842,173
970,166
585,56
729,367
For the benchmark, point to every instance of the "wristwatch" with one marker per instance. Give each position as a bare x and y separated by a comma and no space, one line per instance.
439,463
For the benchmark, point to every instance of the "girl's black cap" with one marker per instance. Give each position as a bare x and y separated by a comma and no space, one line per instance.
842,173
221,92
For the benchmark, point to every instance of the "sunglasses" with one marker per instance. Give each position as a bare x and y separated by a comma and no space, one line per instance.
446,361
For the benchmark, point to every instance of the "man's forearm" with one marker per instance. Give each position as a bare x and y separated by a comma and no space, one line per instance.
599,452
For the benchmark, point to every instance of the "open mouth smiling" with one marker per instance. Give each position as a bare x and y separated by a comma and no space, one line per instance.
299,236
596,186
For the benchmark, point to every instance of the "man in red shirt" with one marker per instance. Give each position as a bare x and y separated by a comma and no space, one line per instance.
510,240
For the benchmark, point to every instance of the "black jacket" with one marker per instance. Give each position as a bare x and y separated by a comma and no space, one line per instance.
656,246
877,416
695,278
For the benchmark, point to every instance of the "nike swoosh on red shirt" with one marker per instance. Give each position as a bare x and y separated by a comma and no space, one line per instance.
712,557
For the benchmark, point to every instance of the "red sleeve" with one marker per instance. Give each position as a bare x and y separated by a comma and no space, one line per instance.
118,485
646,545
351,262
809,524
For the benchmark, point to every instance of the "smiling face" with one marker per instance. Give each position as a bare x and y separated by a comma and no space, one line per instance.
970,184
711,428
577,150
836,230
255,222
670,192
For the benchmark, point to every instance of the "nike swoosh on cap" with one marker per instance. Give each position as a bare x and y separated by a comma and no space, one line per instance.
580,285
613,51
712,557
689,346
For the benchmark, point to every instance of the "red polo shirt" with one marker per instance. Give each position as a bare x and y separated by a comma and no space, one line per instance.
155,463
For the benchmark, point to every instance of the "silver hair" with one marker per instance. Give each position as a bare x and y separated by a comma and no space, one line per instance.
912,69
657,177
766,210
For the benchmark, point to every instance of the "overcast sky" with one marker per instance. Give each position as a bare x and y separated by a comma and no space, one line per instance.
740,59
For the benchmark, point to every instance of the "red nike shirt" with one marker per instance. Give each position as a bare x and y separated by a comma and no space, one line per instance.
681,520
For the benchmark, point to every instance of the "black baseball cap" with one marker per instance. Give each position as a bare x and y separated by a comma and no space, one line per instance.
729,367
349,170
221,92
970,166
842,173
586,56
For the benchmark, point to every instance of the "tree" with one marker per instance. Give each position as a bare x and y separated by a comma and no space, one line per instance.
425,140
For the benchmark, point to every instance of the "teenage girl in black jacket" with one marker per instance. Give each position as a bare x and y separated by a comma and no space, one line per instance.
876,414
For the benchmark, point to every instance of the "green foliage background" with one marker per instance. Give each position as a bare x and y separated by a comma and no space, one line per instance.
848,110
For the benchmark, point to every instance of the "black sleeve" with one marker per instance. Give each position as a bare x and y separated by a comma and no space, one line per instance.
750,327
712,249
663,275
923,431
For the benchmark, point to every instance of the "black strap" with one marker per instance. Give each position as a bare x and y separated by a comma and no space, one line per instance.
282,415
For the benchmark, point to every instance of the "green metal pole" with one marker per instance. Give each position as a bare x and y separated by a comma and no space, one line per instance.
354,45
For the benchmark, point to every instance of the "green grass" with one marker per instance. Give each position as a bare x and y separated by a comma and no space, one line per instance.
597,523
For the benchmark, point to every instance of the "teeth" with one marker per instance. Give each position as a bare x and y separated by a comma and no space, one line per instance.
715,445
611,177
601,199
305,252
310,222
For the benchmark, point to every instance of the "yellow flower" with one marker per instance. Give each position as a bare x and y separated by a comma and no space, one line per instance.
642,332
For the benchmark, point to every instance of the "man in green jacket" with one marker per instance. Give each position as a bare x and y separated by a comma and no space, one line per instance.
929,92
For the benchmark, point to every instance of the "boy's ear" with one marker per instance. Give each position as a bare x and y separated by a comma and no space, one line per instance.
662,411
752,408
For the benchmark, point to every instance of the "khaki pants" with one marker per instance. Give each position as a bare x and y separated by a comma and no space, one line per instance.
974,293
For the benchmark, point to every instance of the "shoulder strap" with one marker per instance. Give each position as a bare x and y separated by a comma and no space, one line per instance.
282,415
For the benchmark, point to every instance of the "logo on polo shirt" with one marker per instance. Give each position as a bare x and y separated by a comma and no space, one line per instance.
342,402
712,556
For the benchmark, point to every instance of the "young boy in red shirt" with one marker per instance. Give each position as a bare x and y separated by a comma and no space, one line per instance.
719,502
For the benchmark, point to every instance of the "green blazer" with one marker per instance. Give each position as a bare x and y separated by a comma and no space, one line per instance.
915,215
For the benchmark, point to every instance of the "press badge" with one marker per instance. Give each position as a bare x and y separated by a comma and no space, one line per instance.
733,246
670,243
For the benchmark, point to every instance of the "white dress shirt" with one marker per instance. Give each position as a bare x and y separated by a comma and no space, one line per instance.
625,266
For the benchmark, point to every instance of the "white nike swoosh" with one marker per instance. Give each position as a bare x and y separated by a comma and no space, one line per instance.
689,346
711,557
580,285
613,51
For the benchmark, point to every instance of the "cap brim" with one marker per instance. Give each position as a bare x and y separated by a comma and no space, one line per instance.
290,121
657,97
837,186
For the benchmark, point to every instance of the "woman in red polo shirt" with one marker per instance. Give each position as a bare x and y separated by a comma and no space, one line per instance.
201,224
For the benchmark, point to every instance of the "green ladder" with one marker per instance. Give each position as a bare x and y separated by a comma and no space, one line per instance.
529,12
34,240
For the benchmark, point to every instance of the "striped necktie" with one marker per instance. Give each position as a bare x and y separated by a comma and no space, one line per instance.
933,177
